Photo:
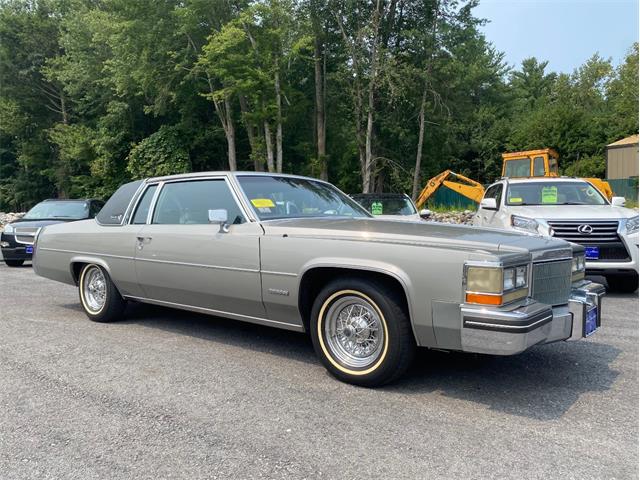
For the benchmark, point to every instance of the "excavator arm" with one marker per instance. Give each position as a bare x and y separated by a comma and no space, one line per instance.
456,182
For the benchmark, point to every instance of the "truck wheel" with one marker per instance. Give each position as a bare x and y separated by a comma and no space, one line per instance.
99,297
14,263
361,332
623,283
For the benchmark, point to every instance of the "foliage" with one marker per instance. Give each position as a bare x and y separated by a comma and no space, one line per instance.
93,94
159,154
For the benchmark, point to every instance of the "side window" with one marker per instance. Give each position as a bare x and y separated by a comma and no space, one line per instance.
189,202
495,191
538,167
142,210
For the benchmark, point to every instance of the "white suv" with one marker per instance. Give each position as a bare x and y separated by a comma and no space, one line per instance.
574,210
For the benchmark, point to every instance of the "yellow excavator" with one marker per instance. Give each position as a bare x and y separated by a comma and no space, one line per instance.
530,163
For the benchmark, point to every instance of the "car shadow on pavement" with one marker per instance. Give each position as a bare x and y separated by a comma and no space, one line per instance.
542,383
284,343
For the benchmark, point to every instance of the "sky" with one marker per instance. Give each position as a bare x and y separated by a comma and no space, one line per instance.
564,32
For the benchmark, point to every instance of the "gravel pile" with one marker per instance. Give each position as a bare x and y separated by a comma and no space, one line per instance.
465,217
8,218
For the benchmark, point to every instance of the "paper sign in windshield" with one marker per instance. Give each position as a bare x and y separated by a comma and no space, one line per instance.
515,200
376,208
550,194
263,203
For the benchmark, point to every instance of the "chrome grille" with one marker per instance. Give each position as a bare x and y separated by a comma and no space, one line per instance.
26,235
551,282
601,231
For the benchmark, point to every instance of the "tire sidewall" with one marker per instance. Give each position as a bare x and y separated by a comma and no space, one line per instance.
114,303
383,369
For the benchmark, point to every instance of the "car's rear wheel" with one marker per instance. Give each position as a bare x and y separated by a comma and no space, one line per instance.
361,332
99,297
623,283
14,263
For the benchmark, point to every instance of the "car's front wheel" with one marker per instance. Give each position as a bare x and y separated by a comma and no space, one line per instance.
623,283
99,297
361,332
14,263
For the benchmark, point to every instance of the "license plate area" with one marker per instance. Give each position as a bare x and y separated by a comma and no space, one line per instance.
28,249
591,321
591,253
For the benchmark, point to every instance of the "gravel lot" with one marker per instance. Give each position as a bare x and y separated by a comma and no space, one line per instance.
167,394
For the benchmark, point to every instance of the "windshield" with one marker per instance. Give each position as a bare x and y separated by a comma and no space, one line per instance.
286,197
550,193
386,205
71,210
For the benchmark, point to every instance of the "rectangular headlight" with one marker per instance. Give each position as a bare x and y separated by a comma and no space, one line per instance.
495,285
521,276
508,279
577,268
484,280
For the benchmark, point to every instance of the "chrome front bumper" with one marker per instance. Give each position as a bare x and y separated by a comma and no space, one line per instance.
507,332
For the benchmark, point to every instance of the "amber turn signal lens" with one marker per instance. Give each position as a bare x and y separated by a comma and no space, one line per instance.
483,299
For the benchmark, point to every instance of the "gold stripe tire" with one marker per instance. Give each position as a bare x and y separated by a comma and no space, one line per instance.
397,346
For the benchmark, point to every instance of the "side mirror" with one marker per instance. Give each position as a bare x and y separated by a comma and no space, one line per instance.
425,213
489,204
219,217
618,201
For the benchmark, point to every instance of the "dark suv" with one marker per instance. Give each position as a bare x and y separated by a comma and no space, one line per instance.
16,241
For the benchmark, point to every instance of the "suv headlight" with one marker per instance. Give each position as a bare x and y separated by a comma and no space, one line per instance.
8,228
632,224
524,223
496,285
577,268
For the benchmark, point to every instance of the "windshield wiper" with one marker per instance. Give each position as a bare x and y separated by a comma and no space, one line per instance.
572,203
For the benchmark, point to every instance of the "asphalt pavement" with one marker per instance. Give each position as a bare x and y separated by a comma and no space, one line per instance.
169,394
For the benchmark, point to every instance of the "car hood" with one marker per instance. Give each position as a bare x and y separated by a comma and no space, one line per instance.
572,212
414,233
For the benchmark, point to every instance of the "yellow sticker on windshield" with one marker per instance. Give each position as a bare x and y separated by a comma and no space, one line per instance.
263,203
550,194
515,200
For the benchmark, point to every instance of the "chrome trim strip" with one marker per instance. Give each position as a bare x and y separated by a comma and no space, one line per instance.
284,274
86,253
211,311
201,265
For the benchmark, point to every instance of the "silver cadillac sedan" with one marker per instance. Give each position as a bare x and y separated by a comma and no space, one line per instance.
297,253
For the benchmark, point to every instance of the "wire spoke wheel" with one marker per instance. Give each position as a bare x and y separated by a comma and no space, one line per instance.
94,289
354,332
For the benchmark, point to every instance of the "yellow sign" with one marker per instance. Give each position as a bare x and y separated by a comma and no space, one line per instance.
550,194
515,200
263,203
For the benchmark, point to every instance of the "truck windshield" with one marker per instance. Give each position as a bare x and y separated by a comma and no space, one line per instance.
288,197
386,205
71,210
554,193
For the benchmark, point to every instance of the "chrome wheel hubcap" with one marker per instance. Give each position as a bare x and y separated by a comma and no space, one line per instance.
94,289
354,331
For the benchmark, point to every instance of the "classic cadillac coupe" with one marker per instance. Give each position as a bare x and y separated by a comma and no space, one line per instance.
297,253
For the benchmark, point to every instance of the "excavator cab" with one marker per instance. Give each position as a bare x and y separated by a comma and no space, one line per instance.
530,163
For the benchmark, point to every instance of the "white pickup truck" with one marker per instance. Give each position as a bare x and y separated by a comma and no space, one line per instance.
571,209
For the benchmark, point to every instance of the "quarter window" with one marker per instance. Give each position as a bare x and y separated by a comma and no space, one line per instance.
188,203
143,206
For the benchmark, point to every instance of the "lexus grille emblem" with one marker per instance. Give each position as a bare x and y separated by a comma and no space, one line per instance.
585,229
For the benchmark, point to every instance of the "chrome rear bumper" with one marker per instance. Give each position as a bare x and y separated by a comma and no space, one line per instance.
508,332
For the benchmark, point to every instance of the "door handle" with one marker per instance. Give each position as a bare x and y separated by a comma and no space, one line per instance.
142,241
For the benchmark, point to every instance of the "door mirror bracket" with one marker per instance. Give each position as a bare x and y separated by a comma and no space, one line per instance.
219,217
